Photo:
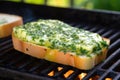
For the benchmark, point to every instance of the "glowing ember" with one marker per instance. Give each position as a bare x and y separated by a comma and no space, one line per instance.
51,73
59,68
68,73
82,75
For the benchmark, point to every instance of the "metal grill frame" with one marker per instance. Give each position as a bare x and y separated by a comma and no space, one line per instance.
105,23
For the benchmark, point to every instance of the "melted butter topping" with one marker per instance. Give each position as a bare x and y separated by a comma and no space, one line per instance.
56,34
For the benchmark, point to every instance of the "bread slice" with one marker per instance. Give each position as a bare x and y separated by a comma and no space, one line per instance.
7,22
54,55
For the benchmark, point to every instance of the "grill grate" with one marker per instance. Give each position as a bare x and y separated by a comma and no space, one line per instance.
12,59
18,66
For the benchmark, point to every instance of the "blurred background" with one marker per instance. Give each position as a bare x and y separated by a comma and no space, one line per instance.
113,5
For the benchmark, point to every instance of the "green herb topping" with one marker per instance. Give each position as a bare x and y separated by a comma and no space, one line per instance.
56,34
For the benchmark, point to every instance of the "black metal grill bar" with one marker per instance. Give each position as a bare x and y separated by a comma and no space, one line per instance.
117,68
116,43
108,33
4,56
93,73
20,67
114,37
111,60
101,31
106,74
51,67
74,75
5,42
4,39
21,62
17,75
8,63
86,28
114,46
117,77
65,69
36,66
6,47
32,66
94,29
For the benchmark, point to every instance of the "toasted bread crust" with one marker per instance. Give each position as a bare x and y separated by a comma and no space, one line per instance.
6,28
80,62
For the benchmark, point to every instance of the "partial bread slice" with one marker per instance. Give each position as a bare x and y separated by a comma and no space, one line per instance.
41,52
10,22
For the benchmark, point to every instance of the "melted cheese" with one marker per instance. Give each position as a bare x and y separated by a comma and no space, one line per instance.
58,35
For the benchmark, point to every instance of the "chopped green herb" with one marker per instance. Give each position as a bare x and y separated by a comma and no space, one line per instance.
58,35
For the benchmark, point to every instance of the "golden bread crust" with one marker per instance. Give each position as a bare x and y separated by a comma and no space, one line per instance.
6,28
80,62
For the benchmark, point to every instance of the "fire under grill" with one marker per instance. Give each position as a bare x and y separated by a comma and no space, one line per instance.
15,65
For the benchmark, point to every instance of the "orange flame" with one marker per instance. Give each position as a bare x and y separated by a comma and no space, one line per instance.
53,72
82,75
68,73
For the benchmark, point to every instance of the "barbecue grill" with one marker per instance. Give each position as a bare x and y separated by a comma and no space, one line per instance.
15,65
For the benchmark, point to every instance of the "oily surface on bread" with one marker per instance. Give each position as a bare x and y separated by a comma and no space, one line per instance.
11,21
54,55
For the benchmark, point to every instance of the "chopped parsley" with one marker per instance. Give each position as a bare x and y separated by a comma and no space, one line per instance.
56,34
